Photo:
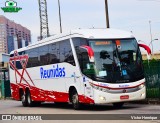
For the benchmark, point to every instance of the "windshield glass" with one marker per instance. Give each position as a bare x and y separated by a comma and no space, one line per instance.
115,61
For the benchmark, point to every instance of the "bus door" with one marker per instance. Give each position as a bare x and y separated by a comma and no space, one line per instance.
86,62
87,89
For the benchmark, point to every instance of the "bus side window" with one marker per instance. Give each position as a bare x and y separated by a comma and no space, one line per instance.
54,53
18,63
33,57
44,55
66,54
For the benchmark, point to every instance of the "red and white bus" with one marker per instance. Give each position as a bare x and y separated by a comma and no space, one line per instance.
85,66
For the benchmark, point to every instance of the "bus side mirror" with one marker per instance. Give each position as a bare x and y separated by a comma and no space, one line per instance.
147,48
89,51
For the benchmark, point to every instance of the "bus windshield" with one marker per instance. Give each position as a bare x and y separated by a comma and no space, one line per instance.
115,61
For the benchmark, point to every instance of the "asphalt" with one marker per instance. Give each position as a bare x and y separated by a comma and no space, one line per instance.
15,107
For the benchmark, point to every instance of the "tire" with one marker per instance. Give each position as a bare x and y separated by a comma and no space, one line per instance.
118,105
29,100
75,100
24,100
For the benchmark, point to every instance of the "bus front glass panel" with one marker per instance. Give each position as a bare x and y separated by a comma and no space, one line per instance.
115,61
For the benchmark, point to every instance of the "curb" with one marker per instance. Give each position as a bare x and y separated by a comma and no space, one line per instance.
154,101
7,98
147,101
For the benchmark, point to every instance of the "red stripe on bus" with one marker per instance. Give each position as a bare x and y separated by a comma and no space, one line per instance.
38,94
117,88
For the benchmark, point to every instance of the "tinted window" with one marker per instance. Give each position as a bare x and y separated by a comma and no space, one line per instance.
48,54
66,54
11,55
79,42
44,55
18,63
54,53
33,60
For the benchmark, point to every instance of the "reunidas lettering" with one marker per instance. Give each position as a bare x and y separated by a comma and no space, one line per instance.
54,72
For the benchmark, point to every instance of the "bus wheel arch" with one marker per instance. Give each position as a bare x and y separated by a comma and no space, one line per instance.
71,88
29,100
73,97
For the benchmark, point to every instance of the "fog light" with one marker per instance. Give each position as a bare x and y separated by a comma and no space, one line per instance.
102,98
143,94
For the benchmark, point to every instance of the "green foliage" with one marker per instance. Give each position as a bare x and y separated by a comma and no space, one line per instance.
152,75
153,92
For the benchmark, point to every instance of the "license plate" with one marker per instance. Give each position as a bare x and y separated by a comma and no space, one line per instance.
123,97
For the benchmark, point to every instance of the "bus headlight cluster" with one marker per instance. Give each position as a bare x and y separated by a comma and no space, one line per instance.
100,88
141,86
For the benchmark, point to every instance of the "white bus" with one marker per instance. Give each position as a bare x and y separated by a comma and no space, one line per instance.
85,66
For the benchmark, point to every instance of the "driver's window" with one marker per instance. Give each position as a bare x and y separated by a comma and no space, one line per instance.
86,66
82,55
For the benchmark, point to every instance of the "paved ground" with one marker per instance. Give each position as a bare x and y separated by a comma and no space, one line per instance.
15,107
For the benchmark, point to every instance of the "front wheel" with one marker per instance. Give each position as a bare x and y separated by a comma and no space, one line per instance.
75,100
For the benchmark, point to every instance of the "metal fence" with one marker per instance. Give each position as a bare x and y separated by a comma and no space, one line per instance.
152,75
5,90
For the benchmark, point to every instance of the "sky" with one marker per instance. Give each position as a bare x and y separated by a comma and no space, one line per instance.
129,15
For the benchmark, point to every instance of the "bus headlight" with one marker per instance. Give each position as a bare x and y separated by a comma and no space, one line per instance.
100,88
141,86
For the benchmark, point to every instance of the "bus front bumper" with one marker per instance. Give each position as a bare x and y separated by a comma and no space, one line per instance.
101,97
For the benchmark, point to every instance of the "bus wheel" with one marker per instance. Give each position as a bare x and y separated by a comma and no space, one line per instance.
24,100
75,100
118,105
28,98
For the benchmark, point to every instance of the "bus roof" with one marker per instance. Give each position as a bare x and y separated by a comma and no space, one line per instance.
83,33
103,33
